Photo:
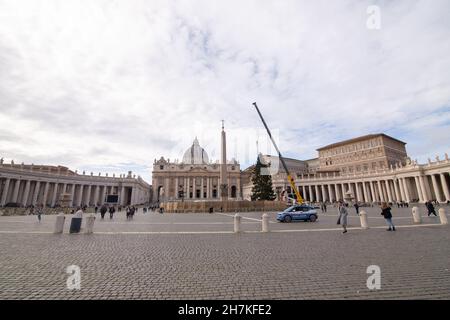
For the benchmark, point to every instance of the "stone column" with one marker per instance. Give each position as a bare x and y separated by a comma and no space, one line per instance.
425,187
105,190
380,190
122,196
336,191
422,189
388,189
5,192
72,195
44,199
89,193
358,191
405,189
445,187
366,196
372,191
176,187
318,192
188,188
238,189
55,190
324,196
402,191
437,192
96,193
397,194
330,193
194,188
202,187
80,195
16,191
26,193
419,189
352,190
311,196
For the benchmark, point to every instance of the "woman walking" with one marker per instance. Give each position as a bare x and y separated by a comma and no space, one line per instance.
343,213
386,213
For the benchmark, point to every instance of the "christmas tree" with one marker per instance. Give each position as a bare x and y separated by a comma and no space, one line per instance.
262,184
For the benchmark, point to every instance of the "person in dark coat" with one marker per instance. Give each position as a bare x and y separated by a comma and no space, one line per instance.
356,208
111,211
430,208
103,210
386,213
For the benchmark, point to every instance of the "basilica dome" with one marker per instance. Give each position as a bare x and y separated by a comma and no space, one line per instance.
195,154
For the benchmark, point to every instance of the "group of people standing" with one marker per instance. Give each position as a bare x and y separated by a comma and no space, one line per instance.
385,212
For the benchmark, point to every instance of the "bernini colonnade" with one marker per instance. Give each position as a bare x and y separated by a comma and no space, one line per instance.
34,185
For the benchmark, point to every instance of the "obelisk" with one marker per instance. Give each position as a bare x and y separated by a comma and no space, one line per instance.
223,167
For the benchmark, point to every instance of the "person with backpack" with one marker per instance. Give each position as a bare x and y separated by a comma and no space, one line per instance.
386,213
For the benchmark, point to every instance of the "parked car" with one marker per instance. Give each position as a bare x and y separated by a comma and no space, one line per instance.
298,212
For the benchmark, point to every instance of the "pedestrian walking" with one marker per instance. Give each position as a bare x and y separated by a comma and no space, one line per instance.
39,211
111,212
325,207
356,208
103,211
386,213
343,213
430,208
96,209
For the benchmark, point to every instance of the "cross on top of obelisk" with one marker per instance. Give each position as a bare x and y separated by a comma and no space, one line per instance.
223,124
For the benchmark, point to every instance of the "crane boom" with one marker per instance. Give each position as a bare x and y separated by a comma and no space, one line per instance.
290,179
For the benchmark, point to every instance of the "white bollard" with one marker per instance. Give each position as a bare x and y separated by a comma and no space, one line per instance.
59,224
363,218
265,223
90,223
443,216
237,223
416,215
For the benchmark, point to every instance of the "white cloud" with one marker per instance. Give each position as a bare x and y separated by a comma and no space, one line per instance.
115,84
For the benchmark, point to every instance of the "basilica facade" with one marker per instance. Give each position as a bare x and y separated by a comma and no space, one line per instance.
195,177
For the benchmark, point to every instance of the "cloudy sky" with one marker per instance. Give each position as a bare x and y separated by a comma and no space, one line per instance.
111,85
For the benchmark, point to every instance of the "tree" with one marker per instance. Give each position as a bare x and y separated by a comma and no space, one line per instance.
262,184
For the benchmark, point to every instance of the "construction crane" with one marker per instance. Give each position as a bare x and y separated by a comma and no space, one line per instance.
290,179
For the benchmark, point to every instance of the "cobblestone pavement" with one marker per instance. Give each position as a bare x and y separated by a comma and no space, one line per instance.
184,264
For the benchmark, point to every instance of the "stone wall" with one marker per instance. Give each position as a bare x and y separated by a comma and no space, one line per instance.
225,206
26,211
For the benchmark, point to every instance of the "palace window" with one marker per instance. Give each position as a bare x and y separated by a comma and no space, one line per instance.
161,167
